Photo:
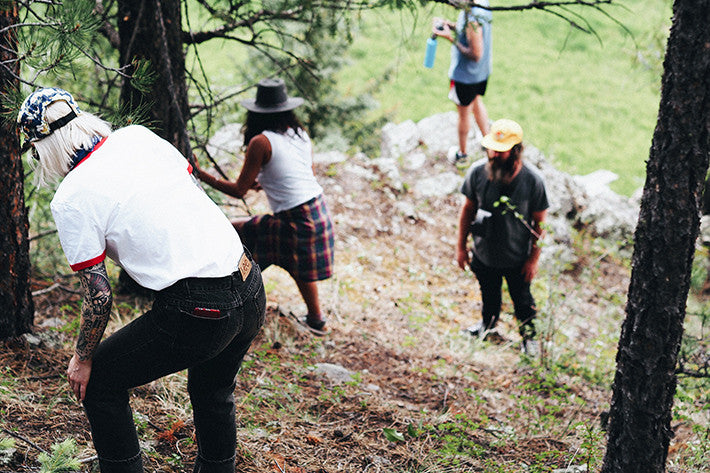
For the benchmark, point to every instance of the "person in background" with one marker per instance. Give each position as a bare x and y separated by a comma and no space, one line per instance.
504,245
129,195
471,59
298,235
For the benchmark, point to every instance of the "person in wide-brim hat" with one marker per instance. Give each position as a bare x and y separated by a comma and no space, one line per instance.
271,97
298,235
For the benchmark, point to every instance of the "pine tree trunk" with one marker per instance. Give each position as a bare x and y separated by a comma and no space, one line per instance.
639,430
152,30
16,306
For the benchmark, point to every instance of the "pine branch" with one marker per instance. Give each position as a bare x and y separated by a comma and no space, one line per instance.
260,16
107,29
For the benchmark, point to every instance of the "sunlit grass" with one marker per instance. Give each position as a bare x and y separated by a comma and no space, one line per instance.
588,105
589,102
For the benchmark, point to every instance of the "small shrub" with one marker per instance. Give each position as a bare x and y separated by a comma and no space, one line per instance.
62,459
7,450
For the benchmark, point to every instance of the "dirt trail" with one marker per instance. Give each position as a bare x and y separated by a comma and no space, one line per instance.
421,394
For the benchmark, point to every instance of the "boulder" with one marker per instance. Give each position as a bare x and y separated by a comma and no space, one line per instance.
439,185
439,132
336,374
398,140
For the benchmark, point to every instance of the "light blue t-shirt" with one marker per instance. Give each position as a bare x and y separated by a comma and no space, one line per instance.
465,70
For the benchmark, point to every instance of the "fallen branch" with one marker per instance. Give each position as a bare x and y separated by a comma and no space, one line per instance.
26,440
40,378
54,286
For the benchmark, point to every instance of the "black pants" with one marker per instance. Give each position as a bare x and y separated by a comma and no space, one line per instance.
491,281
202,325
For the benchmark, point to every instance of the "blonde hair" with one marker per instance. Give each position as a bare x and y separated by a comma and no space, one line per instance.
57,150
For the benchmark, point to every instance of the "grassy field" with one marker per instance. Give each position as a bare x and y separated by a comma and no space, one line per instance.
588,105
588,102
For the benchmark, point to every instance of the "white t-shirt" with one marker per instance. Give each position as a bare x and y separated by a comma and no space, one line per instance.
134,200
288,178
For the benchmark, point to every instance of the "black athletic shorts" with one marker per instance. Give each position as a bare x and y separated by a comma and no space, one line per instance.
463,94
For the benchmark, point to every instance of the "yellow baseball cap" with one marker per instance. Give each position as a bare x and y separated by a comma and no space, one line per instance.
504,135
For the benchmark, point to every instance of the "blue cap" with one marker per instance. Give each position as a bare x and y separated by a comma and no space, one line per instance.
32,118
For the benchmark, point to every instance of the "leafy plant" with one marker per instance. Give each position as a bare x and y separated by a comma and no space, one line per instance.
509,207
7,449
62,459
392,435
591,449
457,439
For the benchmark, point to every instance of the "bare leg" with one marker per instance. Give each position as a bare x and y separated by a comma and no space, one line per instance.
309,292
481,115
464,125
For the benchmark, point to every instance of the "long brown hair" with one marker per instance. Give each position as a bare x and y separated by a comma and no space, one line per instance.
278,122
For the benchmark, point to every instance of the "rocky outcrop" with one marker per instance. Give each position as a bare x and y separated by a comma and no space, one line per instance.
412,179
581,201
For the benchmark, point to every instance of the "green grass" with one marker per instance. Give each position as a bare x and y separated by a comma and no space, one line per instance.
586,105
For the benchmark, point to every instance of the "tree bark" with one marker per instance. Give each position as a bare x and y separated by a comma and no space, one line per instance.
16,306
152,30
639,430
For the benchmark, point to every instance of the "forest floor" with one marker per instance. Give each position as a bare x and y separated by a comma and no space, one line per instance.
393,385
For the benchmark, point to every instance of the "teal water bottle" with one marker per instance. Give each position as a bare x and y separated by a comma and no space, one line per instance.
430,52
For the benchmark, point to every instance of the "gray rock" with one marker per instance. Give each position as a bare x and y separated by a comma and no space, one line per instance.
705,230
406,209
32,340
439,132
389,171
597,182
414,161
572,469
439,185
359,171
335,373
399,139
330,157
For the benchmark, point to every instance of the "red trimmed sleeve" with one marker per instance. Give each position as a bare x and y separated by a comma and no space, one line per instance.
88,263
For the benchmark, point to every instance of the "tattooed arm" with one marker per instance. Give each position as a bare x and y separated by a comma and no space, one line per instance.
95,312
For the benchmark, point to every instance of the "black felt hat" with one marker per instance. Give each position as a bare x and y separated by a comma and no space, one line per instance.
271,97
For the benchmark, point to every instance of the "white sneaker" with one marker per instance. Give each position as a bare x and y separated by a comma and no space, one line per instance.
475,330
531,347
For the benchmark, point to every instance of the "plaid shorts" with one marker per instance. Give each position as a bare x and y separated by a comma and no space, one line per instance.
299,240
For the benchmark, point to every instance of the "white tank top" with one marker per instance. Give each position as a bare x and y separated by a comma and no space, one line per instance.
288,178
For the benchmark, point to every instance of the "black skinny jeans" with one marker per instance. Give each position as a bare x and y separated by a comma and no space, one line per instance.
491,282
167,339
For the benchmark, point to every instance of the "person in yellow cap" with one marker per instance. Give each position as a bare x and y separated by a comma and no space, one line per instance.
504,244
